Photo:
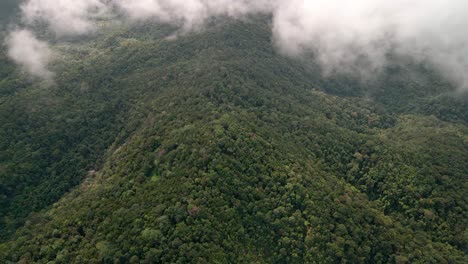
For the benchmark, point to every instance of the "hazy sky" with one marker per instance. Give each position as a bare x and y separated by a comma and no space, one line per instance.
339,32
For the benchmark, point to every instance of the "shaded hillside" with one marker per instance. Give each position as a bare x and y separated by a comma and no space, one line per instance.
214,148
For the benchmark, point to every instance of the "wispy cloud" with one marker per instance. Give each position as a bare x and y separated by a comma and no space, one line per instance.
345,35
64,17
356,36
30,53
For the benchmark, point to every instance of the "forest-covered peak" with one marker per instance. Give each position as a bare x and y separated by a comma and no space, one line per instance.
213,146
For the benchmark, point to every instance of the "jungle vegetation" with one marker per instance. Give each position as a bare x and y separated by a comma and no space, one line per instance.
215,148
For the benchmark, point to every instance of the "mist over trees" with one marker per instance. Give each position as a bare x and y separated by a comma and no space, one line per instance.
354,37
159,143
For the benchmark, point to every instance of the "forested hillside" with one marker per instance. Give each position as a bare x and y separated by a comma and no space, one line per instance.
214,148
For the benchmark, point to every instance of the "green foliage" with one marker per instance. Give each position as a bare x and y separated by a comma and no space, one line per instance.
212,148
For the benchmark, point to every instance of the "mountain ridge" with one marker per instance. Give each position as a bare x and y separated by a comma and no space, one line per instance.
220,150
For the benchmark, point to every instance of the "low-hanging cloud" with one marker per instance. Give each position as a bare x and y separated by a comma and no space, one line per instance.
356,36
352,36
30,53
64,17
67,17
191,13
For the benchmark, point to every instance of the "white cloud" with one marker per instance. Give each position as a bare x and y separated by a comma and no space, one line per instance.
30,53
342,33
190,13
345,35
64,17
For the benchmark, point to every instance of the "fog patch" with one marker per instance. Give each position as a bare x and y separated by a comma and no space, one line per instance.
30,53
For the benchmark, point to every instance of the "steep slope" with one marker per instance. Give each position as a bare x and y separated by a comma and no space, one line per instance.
50,138
214,148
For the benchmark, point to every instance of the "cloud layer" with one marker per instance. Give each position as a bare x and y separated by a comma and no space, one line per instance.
64,17
345,35
30,53
359,34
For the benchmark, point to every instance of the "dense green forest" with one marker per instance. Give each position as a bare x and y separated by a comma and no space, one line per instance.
214,148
